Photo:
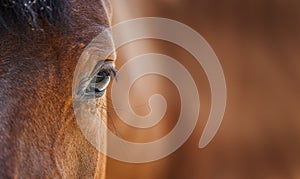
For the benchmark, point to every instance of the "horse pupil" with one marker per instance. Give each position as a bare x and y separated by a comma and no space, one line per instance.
101,76
99,79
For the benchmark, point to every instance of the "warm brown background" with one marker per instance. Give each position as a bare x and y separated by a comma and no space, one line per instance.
258,44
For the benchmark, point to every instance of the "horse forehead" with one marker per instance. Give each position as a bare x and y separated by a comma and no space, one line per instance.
67,14
91,19
97,11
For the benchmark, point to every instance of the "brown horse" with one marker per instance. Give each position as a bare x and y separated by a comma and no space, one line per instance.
41,41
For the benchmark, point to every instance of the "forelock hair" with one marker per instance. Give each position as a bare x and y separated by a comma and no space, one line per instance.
32,13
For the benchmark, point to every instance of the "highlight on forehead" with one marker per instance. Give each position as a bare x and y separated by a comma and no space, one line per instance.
31,13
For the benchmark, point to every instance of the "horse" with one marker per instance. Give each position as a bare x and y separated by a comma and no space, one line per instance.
41,41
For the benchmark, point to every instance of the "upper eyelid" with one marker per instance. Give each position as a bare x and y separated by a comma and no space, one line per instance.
104,65
109,67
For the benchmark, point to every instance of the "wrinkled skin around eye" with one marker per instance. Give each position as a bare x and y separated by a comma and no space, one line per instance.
88,109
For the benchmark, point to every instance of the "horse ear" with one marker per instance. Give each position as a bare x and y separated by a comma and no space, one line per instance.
108,8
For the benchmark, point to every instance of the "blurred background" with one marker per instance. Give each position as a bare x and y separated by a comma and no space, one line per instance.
258,45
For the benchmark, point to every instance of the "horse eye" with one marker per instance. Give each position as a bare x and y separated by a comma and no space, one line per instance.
98,84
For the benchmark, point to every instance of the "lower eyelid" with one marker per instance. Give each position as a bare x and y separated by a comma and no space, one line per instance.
97,95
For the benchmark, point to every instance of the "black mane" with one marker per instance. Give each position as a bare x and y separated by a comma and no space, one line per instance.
32,13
